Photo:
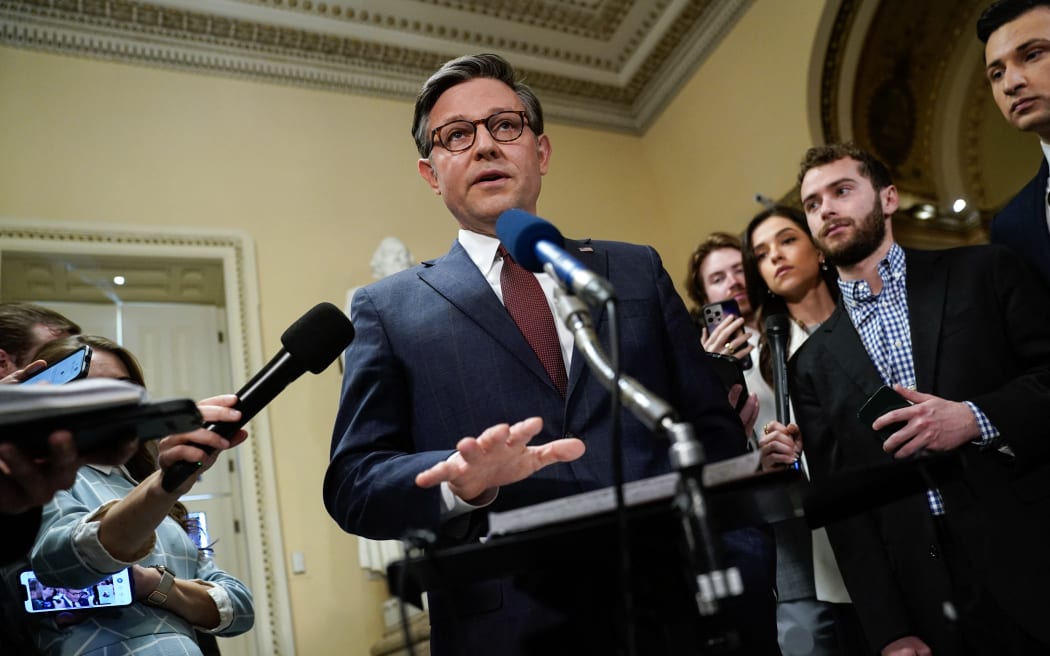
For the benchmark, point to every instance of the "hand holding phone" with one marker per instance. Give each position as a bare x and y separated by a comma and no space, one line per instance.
885,399
715,315
72,367
114,590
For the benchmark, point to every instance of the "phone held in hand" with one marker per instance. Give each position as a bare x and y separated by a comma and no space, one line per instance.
715,313
730,373
882,401
112,591
72,367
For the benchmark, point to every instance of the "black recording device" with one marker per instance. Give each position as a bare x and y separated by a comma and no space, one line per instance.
112,591
885,399
72,367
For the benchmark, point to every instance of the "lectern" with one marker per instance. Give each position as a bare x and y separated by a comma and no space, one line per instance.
534,550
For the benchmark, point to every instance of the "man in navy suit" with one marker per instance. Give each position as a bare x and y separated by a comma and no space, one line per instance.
1016,34
438,360
964,336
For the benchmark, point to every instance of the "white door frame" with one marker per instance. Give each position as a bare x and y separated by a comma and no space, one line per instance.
269,582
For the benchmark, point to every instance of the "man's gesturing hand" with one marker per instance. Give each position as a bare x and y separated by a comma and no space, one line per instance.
499,456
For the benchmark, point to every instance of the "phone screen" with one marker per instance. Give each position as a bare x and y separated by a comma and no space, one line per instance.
71,367
114,590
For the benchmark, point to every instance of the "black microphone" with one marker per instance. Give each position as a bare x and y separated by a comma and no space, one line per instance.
777,331
533,242
312,343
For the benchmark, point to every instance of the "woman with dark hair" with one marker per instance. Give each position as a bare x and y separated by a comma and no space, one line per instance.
117,517
786,273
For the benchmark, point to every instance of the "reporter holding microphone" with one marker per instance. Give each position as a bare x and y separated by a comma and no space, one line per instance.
792,292
118,517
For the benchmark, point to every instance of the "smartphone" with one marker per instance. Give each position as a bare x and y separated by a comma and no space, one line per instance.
715,313
72,367
113,591
730,372
882,401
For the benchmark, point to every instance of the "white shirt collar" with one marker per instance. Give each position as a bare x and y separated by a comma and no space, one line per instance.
1046,150
480,248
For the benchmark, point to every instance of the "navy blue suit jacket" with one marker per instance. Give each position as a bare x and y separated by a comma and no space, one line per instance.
980,328
1021,225
437,357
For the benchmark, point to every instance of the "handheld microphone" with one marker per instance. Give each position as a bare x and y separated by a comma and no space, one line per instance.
533,242
778,329
310,344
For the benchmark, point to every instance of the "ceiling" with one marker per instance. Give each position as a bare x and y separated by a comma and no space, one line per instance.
608,64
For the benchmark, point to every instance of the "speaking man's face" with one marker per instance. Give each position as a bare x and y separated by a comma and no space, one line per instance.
479,183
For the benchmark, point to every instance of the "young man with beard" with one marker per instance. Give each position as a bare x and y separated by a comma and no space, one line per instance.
964,336
1016,34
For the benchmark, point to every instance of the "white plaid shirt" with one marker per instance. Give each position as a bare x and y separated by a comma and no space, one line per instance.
881,321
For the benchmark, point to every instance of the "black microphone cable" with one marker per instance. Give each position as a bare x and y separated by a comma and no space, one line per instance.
622,533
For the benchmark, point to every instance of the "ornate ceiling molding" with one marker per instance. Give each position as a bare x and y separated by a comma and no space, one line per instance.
611,64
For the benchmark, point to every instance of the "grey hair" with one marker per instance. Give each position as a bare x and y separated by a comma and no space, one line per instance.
464,69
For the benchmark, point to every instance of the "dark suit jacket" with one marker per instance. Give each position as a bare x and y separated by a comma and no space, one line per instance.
437,357
980,327
1021,225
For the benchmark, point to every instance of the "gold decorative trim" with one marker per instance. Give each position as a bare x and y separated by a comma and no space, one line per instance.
832,69
973,170
605,72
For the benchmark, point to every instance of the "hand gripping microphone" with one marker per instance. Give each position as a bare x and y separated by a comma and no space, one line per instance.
533,242
778,330
310,344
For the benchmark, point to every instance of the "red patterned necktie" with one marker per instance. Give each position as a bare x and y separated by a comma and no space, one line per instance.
527,305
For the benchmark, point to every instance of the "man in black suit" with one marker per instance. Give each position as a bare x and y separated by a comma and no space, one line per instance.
964,336
1016,34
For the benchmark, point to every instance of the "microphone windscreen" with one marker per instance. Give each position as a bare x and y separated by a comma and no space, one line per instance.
519,232
317,338
777,324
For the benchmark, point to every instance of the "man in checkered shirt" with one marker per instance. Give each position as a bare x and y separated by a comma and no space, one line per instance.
964,336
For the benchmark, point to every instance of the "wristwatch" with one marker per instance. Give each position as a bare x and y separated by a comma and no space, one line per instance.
160,595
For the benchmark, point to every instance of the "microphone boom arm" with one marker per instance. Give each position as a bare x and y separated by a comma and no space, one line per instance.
686,455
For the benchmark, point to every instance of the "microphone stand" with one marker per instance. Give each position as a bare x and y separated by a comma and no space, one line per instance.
712,583
622,535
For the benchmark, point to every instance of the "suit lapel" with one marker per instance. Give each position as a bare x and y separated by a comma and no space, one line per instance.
927,286
846,348
458,280
598,262
1035,217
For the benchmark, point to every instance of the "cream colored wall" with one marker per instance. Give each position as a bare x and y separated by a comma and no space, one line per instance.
737,128
317,179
